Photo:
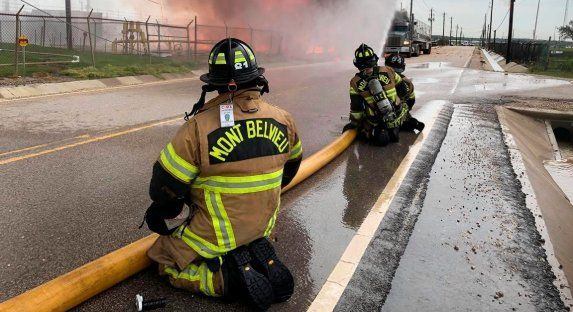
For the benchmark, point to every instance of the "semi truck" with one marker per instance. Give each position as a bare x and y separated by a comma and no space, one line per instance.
409,40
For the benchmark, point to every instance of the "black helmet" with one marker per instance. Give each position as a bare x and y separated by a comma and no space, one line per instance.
231,60
397,62
232,64
364,57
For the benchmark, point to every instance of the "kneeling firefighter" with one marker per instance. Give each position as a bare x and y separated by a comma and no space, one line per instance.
408,95
216,186
376,109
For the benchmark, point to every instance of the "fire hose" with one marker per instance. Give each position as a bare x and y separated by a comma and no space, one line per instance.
75,287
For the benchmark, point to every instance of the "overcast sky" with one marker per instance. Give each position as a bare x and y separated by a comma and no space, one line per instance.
469,14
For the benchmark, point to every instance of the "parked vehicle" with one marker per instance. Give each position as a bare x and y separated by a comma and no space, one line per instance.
410,40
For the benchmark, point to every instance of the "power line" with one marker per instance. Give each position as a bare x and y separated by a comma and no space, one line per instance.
500,24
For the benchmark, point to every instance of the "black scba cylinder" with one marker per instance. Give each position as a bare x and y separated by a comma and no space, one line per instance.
148,305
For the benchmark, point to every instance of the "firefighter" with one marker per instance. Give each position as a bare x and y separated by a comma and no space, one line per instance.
376,108
398,63
216,186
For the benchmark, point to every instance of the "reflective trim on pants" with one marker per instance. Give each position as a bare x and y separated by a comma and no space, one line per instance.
272,221
196,274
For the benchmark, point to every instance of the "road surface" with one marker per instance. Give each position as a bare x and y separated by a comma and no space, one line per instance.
75,172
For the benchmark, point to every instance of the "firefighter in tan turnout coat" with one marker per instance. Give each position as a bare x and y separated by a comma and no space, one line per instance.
216,186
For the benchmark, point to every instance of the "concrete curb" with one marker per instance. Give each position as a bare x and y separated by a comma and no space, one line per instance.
492,61
20,92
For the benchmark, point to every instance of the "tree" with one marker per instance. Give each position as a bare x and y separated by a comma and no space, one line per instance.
567,31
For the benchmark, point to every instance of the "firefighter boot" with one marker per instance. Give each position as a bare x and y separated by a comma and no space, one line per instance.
243,281
265,260
380,137
394,134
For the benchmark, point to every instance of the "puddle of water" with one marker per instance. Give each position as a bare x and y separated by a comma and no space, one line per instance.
429,65
424,80
562,174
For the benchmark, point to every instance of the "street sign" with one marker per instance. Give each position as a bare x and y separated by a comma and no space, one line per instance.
23,41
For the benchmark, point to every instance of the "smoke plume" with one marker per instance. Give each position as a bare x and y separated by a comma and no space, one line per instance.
330,27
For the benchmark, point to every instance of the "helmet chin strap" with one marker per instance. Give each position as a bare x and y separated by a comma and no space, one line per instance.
197,107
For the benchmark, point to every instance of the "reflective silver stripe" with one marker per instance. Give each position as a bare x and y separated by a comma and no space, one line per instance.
177,166
239,185
222,222
197,245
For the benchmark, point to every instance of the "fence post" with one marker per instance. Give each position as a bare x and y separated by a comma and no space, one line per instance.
147,38
548,54
1,32
189,40
90,38
252,37
16,45
158,38
44,32
195,43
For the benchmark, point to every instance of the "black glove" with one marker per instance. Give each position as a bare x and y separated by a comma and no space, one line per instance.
348,127
156,215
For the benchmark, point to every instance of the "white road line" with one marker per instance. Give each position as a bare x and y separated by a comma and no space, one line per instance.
332,290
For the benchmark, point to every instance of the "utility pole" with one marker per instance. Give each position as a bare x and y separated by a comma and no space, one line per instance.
484,31
69,24
411,22
457,28
431,19
444,28
451,24
510,33
461,35
566,13
536,18
490,23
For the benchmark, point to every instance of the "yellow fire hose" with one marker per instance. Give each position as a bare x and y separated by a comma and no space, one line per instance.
77,286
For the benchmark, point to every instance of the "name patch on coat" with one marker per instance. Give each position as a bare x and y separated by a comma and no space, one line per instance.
248,139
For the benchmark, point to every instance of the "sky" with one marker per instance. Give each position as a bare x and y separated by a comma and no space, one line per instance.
469,14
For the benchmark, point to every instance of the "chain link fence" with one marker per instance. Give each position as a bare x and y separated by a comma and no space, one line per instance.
97,41
551,57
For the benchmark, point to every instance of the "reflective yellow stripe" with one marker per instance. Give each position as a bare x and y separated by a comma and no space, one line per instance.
240,185
220,59
360,54
239,57
357,115
369,99
178,167
367,53
194,273
250,53
221,223
201,246
272,221
296,151
352,91
398,78
211,58
400,119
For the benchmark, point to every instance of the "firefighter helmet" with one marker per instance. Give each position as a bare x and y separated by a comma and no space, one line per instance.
365,57
231,61
397,62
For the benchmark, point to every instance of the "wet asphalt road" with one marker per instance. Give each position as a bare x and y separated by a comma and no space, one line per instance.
68,207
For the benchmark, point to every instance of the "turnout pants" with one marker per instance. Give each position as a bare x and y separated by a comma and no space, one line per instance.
196,278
